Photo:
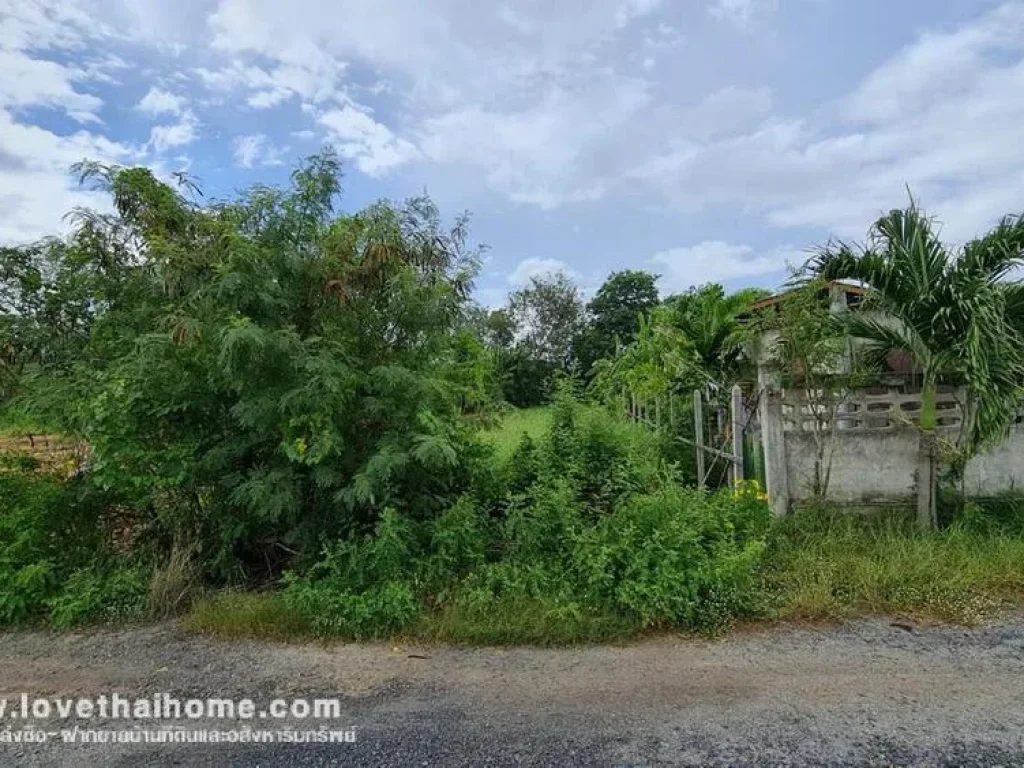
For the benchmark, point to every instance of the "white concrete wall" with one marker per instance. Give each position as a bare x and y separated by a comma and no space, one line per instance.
867,467
878,466
1001,469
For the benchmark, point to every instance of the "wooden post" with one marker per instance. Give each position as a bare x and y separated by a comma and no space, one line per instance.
737,435
698,429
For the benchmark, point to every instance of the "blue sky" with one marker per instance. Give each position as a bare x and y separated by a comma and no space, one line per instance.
705,140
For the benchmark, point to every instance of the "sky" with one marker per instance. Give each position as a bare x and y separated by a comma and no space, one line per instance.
703,140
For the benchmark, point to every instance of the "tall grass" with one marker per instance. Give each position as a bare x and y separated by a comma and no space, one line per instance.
823,565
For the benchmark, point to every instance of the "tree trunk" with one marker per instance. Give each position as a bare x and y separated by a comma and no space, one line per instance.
927,482
927,475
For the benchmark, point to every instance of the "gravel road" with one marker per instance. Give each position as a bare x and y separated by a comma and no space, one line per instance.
866,693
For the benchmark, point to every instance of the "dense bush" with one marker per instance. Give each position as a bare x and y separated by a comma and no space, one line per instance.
255,376
593,534
55,561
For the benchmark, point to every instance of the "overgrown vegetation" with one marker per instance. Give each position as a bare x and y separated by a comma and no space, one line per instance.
834,565
289,413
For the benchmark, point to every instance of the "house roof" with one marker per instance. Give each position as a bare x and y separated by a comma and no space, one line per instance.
848,288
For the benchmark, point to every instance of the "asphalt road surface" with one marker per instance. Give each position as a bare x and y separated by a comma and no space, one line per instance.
868,693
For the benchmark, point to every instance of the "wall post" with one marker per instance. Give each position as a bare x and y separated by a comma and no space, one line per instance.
737,435
773,438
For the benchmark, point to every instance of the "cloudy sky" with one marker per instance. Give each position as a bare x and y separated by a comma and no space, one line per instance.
706,140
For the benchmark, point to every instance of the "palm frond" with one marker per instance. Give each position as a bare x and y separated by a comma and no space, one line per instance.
994,255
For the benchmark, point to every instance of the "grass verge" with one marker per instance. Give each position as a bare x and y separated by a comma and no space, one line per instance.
232,614
818,566
838,566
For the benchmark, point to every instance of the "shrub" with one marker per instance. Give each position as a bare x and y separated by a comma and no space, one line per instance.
459,541
361,588
23,590
593,535
376,612
53,554
91,596
676,558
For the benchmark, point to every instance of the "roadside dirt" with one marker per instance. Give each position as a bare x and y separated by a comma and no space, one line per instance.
866,693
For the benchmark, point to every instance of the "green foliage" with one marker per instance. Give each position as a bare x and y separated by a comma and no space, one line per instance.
256,375
709,320
360,587
833,564
90,596
1002,515
614,314
544,319
593,536
54,560
951,310
23,590
677,558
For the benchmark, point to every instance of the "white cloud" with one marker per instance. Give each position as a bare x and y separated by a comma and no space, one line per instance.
740,12
950,132
35,188
528,268
303,135
714,261
632,9
564,148
185,131
157,101
44,64
34,82
372,145
254,150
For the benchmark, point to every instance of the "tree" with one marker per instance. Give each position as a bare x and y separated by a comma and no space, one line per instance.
955,314
809,349
546,315
614,315
710,320
265,373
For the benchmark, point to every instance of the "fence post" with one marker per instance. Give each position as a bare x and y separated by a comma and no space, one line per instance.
737,435
773,439
698,429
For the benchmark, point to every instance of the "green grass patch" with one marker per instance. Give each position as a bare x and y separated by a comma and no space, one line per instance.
525,621
506,436
838,566
519,621
233,614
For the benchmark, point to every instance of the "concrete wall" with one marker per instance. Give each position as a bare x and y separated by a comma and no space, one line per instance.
867,467
1001,469
875,454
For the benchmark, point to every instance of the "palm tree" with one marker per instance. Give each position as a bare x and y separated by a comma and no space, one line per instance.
709,320
953,311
